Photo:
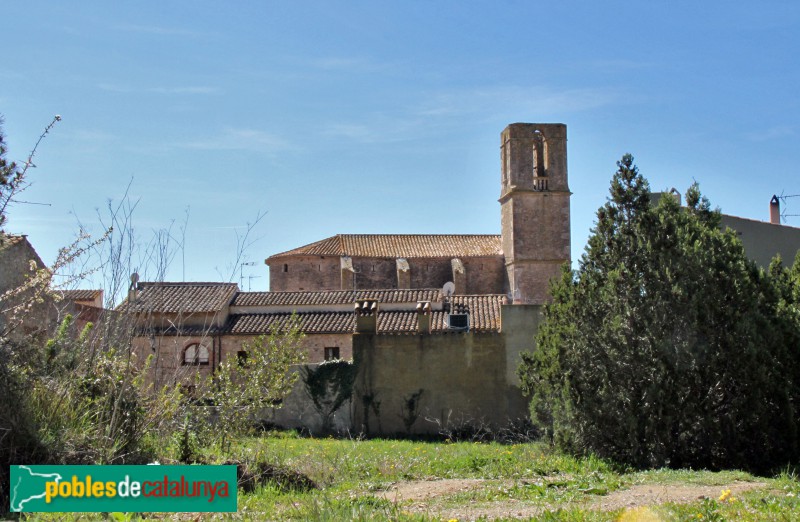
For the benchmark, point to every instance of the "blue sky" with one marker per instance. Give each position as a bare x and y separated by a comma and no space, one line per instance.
382,117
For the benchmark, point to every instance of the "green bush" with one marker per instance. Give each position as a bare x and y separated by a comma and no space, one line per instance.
668,347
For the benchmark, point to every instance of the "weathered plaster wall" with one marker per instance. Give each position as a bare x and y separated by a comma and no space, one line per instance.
520,324
763,240
460,378
298,412
314,345
166,366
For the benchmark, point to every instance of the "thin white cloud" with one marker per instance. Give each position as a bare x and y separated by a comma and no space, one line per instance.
92,136
348,130
619,65
190,89
520,100
155,29
184,90
772,133
110,87
340,62
381,128
240,139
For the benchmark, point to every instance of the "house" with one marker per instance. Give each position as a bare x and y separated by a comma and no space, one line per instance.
25,306
763,240
85,305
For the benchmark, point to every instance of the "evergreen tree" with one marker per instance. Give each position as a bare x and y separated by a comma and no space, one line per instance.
667,346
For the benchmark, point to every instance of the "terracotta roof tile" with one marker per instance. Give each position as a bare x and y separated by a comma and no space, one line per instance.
484,313
334,297
79,295
401,245
310,322
183,330
10,239
180,297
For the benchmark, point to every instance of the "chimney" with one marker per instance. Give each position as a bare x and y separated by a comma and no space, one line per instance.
348,272
366,311
459,276
424,317
775,210
133,287
403,273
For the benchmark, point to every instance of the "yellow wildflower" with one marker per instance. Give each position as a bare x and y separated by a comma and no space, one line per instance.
639,514
725,494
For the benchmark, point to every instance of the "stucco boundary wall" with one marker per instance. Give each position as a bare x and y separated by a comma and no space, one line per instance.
428,384
297,412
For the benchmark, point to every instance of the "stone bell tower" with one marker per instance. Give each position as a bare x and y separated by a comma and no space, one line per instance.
534,202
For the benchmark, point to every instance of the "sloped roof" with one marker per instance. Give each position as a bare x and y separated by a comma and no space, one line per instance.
484,313
401,245
10,239
310,322
334,297
180,297
80,295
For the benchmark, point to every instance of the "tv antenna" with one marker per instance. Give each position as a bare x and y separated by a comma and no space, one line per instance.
241,271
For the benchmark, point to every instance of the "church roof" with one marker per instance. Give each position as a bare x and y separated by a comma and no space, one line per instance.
401,245
180,297
335,297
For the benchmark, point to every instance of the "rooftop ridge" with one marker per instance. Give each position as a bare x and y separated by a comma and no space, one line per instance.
400,245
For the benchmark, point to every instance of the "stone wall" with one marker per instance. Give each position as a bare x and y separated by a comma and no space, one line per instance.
34,313
314,345
484,275
166,366
536,241
305,273
167,350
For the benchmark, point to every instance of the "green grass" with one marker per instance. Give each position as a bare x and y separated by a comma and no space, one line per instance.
551,486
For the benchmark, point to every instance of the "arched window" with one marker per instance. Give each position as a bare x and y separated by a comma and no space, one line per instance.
539,152
195,354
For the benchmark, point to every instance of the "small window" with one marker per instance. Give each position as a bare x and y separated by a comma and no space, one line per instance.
241,357
195,354
285,268
331,353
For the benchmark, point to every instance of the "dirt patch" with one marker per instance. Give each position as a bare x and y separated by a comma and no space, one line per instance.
418,490
421,496
649,495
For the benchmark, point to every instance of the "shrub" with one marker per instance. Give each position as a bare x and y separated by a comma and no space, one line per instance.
667,347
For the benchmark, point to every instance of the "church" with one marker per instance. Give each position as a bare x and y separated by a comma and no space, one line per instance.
441,318
433,324
533,244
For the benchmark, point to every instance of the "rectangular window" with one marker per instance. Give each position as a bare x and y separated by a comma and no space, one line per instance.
241,356
331,353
